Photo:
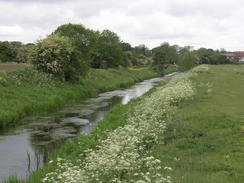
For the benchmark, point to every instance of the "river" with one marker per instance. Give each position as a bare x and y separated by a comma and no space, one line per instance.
26,147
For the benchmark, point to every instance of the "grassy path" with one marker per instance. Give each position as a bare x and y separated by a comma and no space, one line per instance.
204,143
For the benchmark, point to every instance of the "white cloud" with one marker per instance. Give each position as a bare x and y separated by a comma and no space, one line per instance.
207,23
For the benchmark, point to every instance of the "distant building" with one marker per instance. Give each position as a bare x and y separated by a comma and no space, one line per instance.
235,56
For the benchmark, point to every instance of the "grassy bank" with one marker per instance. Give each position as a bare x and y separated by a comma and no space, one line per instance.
120,145
204,142
26,92
73,150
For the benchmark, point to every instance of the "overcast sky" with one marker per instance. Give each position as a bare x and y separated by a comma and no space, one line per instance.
200,23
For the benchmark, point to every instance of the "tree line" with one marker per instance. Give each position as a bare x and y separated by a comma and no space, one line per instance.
185,57
72,49
14,51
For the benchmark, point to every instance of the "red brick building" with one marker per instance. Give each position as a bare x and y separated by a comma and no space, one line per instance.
235,56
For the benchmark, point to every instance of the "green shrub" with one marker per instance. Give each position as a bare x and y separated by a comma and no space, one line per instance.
164,56
187,61
7,53
56,55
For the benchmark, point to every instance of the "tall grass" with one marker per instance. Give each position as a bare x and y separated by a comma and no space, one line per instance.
27,92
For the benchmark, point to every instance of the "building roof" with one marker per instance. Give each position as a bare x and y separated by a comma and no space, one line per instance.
239,54
234,54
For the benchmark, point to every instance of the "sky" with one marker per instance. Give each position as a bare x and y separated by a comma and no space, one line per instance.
200,23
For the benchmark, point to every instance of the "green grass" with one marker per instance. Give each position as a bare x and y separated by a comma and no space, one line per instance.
26,92
171,69
204,142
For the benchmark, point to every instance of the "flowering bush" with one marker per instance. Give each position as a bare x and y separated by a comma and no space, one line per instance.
55,55
125,155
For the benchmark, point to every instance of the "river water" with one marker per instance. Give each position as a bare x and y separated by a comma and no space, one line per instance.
26,147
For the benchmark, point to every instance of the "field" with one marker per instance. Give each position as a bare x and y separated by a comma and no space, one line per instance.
205,140
12,66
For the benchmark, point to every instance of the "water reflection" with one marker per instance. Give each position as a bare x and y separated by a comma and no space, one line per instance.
16,151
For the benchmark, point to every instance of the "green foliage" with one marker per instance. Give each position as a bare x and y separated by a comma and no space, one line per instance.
7,53
126,46
82,38
209,56
14,52
163,56
134,59
56,55
24,53
98,49
187,60
109,51
142,50
171,69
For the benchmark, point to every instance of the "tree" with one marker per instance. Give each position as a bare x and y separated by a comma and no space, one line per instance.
209,56
126,46
142,50
108,51
185,49
83,39
187,60
7,53
163,56
24,53
57,55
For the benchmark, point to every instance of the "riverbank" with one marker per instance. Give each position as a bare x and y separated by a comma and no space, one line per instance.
200,141
42,136
120,121
199,138
27,92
